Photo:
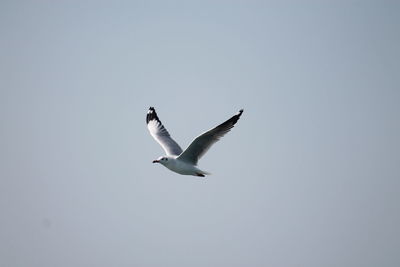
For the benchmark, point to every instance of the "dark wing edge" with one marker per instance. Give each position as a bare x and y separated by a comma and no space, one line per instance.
201,144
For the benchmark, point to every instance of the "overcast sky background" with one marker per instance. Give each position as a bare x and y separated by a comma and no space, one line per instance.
308,177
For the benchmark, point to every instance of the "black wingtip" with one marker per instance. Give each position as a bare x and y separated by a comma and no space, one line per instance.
151,115
235,118
239,114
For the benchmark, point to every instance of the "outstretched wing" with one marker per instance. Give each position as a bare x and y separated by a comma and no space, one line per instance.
201,144
160,134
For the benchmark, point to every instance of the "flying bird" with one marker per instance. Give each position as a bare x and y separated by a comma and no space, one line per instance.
185,162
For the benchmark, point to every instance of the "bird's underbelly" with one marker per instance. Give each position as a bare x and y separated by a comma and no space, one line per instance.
182,168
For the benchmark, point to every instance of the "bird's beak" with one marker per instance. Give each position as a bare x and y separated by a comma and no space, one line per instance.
156,161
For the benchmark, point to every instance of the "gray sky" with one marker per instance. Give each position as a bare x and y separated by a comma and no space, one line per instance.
308,177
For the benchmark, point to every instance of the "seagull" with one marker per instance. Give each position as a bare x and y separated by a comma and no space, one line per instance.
185,162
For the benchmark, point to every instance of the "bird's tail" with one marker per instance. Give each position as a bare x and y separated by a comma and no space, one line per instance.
203,173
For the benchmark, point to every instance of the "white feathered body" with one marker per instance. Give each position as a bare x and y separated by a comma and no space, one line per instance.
182,167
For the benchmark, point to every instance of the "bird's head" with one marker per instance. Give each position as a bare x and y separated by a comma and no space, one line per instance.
162,160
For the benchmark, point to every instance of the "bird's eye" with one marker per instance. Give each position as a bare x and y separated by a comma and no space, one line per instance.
166,159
